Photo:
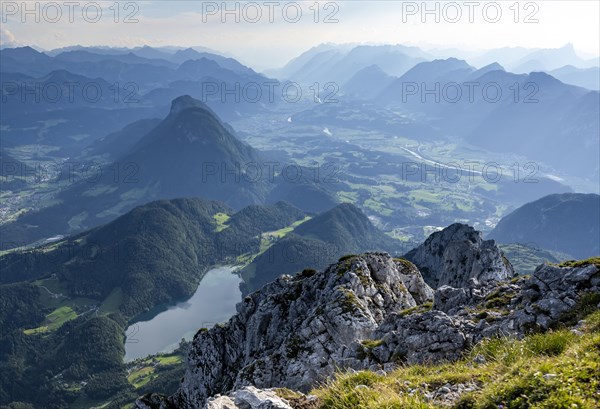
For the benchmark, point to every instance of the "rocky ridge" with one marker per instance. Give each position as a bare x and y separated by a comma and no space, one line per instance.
367,312
295,331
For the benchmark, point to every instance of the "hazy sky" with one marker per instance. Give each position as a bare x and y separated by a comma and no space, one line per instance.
277,37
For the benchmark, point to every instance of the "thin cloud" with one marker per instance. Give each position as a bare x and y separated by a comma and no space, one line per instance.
7,39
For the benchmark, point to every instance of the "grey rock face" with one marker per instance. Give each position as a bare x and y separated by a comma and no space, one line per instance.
451,300
458,254
540,301
419,338
463,317
297,330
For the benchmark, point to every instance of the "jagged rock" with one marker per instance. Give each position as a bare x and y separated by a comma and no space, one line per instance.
297,330
421,338
248,398
449,299
545,297
458,254
508,309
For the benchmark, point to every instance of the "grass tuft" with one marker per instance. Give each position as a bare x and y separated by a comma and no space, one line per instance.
372,343
581,263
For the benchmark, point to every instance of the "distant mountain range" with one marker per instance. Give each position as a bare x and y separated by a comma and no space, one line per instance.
521,59
582,77
551,104
81,61
558,132
367,83
66,111
335,61
162,52
551,59
339,63
532,115
71,98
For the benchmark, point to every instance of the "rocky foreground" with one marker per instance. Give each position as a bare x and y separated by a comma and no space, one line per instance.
371,312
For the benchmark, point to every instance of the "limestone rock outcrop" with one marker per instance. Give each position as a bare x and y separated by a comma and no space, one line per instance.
458,254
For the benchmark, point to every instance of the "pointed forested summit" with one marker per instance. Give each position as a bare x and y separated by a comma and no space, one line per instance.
190,153
193,153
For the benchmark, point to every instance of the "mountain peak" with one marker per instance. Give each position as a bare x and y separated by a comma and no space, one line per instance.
187,52
373,68
492,67
24,53
568,47
541,77
458,254
185,102
26,49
